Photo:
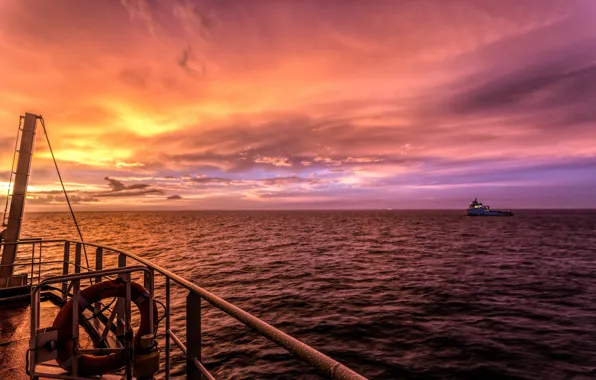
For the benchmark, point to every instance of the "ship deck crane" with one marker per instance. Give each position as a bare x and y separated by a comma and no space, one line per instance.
17,201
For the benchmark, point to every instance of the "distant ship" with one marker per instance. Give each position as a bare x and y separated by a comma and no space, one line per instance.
477,209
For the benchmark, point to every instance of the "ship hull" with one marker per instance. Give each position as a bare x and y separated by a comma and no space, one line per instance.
491,213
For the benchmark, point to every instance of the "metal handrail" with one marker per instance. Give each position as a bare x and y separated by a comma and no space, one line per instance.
80,276
326,365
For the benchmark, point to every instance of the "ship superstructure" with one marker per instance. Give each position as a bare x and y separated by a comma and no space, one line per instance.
476,208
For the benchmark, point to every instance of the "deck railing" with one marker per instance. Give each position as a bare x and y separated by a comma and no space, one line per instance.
38,336
192,350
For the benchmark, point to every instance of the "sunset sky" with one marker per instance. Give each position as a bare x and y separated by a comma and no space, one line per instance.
303,104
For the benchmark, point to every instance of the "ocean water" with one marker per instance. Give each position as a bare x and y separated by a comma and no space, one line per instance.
391,294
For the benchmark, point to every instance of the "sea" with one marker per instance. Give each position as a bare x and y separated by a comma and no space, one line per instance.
391,294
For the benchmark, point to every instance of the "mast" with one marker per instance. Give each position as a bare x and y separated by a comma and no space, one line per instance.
19,193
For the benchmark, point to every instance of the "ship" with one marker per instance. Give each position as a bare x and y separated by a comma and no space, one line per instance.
43,340
478,209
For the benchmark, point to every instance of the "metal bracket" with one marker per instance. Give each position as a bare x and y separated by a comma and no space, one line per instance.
45,345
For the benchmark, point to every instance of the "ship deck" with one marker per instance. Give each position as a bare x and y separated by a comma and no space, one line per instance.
14,336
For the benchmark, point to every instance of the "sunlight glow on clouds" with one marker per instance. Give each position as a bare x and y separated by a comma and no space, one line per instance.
304,104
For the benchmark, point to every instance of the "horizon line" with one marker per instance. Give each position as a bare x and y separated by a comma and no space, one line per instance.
307,209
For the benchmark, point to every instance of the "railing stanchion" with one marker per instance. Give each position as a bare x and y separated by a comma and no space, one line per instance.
148,281
39,263
35,299
77,268
65,270
120,303
167,311
193,335
75,315
98,266
32,262
76,287
127,323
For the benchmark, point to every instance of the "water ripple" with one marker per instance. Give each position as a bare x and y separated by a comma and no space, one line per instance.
416,295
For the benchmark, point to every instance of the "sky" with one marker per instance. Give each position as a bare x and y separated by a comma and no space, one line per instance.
303,104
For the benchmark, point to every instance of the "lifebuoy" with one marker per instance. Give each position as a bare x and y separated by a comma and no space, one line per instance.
89,365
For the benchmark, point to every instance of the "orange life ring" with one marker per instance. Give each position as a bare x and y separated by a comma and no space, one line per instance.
89,365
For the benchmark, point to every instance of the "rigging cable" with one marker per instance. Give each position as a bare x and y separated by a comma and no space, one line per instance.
64,190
